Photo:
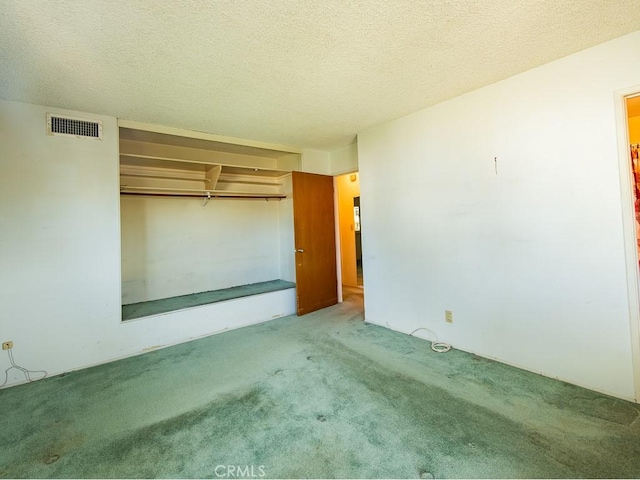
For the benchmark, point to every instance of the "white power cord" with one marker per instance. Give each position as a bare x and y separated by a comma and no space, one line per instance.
436,346
27,373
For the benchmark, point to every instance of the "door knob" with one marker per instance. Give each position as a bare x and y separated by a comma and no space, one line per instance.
300,250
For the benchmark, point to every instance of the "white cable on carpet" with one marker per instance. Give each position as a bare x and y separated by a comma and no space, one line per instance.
27,373
436,346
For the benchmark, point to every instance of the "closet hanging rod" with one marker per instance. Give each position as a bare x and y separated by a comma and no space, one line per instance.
255,197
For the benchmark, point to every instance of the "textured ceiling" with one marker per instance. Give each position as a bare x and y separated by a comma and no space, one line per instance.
310,73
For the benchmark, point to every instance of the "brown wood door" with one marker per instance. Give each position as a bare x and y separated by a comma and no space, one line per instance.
315,242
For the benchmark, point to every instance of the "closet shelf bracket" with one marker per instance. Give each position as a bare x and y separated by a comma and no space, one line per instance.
206,199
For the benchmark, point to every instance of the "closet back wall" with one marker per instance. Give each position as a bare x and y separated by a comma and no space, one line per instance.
175,246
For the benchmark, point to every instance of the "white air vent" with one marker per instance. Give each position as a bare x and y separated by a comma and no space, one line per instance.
77,127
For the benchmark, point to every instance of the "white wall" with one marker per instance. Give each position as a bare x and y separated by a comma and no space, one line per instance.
175,246
344,159
286,235
530,260
315,161
60,255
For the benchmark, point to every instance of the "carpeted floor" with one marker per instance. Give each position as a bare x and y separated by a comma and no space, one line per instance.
323,395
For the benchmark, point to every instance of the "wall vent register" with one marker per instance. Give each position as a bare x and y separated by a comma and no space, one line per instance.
61,125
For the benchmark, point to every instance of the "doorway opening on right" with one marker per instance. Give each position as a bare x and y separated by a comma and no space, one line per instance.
351,231
633,130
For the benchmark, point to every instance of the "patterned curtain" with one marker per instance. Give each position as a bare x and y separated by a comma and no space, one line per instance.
635,147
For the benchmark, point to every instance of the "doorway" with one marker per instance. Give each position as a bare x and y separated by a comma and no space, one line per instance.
627,104
358,231
350,233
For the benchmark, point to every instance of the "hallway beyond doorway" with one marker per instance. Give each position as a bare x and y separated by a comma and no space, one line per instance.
350,231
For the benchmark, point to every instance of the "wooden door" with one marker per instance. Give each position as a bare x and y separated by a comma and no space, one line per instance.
315,242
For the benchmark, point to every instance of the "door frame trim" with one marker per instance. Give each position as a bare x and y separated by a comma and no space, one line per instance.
629,229
336,216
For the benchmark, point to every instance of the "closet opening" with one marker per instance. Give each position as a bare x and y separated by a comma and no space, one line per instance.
202,221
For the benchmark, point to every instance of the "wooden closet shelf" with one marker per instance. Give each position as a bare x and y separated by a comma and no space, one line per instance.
139,160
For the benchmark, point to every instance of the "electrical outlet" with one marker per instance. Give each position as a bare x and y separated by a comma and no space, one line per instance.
7,345
448,316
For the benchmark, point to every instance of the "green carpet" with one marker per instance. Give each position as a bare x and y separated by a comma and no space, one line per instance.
171,304
323,395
